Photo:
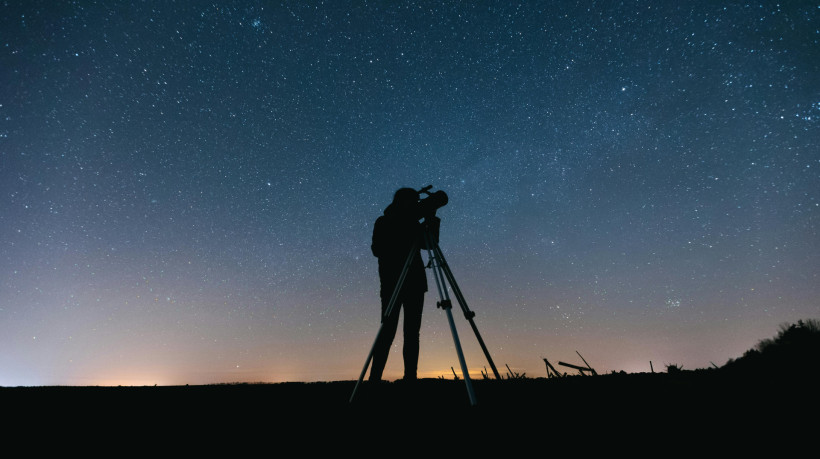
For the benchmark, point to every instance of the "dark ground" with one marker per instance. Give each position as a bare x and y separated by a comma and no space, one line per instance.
764,403
687,405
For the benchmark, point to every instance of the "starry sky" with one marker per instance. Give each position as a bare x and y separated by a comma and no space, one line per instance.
188,188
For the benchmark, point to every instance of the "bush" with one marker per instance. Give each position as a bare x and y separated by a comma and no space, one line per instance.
794,348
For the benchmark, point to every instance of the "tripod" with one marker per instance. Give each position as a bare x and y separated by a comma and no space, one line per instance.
443,275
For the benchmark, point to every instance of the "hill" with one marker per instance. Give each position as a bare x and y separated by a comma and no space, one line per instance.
775,382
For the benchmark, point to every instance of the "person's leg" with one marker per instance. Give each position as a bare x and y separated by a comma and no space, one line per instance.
385,340
413,304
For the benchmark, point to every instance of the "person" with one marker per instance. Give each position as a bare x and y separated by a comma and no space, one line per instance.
395,235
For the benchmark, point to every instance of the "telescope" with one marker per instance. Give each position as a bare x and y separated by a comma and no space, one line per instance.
434,201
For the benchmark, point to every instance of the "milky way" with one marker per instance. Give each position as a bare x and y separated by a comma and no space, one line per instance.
188,189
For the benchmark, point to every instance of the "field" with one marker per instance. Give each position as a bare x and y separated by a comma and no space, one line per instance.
518,410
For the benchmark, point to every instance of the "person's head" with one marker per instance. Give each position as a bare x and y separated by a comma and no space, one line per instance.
405,199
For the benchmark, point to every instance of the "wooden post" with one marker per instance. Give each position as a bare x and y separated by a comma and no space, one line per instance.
551,368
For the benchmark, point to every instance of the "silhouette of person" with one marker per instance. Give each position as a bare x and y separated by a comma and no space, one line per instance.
395,234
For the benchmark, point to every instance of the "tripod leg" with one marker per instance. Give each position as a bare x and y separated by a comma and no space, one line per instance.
461,361
468,314
447,306
393,298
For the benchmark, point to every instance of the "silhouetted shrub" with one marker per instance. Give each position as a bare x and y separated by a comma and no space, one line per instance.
673,368
793,350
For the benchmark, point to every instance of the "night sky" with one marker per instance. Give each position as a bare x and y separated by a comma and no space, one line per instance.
187,189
